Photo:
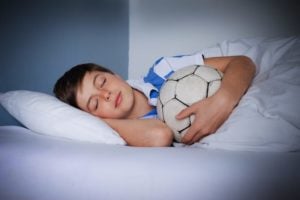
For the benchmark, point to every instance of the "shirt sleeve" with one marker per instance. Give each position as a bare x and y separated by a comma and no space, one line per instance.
165,66
178,62
162,69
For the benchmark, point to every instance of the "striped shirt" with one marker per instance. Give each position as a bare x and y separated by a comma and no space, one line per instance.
159,72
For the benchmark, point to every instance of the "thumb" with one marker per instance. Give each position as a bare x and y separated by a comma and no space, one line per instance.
185,113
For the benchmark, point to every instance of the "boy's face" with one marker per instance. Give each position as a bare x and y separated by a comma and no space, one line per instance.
105,95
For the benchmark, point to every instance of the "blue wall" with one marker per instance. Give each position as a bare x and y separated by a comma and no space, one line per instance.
41,39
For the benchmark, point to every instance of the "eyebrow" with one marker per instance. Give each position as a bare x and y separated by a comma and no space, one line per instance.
94,83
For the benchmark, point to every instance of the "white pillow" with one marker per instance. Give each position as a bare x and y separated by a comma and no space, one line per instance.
45,114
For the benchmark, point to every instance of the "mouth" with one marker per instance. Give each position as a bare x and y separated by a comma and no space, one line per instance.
118,99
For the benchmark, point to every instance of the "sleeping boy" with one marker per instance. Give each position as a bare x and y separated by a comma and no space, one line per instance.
129,106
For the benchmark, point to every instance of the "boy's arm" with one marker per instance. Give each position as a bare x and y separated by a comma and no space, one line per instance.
212,112
142,132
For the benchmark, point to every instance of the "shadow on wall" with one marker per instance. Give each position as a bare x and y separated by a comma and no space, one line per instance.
178,27
42,39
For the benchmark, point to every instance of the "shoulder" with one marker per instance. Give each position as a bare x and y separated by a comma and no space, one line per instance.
164,66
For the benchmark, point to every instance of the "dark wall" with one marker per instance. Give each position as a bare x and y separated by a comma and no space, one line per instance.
41,39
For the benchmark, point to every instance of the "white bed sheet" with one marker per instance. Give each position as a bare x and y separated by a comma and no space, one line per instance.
36,167
268,115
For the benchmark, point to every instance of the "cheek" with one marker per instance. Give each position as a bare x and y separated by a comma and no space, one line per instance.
104,110
128,103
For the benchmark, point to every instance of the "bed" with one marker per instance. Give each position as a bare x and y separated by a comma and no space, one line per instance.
254,155
40,167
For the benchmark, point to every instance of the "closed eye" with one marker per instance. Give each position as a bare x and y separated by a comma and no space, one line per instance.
93,104
99,81
96,104
103,82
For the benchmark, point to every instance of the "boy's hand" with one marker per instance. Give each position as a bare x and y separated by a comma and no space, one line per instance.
212,112
209,113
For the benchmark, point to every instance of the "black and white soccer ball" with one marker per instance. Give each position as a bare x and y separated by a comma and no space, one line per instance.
183,88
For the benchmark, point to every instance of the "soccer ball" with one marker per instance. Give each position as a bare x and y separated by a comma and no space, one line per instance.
183,88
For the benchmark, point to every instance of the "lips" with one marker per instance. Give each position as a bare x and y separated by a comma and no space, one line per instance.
118,99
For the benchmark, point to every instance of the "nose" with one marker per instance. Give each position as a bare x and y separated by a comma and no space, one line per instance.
105,94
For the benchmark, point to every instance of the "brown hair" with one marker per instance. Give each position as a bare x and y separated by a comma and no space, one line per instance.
66,86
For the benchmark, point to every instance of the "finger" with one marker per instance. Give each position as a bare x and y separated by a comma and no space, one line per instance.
185,113
197,137
188,137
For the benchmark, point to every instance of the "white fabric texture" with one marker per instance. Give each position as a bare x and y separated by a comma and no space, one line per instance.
34,167
267,117
45,114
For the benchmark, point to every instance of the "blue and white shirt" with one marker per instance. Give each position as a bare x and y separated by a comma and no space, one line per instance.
159,72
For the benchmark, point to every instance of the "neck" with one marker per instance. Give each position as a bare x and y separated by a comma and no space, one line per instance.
141,105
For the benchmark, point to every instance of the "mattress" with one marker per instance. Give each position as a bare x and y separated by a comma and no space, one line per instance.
34,166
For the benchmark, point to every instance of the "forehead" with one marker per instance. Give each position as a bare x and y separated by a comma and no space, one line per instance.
88,79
